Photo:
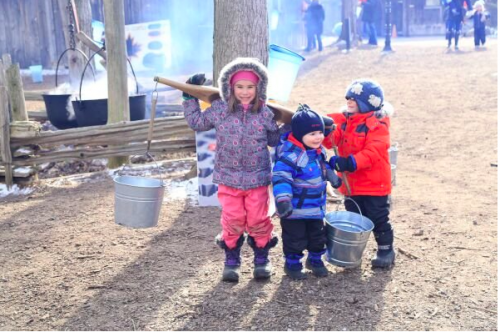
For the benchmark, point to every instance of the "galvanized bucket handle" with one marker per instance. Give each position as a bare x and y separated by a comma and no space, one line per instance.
346,197
120,171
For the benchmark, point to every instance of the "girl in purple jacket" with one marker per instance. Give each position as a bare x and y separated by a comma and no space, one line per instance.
244,129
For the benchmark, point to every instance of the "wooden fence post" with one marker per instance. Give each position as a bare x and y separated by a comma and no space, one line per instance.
16,93
5,152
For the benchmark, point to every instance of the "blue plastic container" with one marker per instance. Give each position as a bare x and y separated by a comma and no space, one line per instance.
283,68
36,74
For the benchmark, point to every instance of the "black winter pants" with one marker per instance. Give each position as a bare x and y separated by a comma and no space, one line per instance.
311,41
479,36
301,234
375,208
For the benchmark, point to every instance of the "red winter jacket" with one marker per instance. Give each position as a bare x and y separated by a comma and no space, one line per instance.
365,136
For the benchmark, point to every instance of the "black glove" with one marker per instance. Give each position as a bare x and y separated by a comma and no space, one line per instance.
342,164
284,208
333,178
329,125
196,79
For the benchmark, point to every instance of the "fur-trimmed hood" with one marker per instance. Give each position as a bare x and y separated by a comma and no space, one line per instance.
238,64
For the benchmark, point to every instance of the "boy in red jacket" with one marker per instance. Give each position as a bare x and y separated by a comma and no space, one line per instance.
363,139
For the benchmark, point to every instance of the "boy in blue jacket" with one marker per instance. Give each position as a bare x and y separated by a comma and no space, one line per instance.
299,187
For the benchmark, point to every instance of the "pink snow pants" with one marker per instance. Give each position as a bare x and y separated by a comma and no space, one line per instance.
245,210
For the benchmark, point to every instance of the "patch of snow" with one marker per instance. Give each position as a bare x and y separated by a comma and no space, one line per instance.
181,190
23,151
22,171
15,190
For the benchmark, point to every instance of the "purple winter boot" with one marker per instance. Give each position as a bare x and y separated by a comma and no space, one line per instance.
232,263
262,266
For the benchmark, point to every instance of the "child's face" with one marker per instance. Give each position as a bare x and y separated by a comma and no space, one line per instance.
352,106
313,139
245,91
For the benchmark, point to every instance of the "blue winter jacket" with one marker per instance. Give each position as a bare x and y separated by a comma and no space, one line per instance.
299,175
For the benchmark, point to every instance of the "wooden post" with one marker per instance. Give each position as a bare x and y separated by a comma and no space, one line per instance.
5,152
7,61
2,74
118,102
16,93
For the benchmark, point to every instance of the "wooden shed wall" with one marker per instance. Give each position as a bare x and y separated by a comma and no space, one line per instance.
31,31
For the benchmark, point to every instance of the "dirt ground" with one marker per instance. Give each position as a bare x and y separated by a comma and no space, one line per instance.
65,264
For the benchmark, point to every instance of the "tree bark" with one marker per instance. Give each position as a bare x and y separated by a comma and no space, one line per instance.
240,30
118,101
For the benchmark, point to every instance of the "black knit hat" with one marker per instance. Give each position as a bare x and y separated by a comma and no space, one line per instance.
305,121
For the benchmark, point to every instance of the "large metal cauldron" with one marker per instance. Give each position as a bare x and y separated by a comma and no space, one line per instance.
57,113
56,104
94,112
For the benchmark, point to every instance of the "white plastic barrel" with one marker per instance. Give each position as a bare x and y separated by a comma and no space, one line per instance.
283,68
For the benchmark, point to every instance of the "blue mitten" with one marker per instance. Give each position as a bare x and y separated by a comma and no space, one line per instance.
342,164
333,178
284,208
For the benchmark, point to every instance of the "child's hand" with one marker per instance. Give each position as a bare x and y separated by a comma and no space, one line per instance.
284,208
342,164
196,79
333,179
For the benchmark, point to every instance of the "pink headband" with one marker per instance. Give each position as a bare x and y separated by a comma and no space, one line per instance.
244,75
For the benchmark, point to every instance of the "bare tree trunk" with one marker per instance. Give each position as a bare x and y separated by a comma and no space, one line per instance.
240,30
349,11
118,101
76,61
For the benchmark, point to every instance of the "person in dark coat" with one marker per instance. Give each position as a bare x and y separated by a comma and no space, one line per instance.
454,17
314,17
368,9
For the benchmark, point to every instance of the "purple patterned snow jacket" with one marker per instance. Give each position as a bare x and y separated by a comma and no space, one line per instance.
242,159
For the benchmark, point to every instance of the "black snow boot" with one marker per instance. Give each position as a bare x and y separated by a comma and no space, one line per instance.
457,36
316,265
293,266
262,266
385,256
232,263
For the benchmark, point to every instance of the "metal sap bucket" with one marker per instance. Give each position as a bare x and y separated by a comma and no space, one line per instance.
138,201
347,235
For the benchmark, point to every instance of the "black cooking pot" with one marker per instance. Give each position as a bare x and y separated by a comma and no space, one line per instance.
94,112
57,113
55,104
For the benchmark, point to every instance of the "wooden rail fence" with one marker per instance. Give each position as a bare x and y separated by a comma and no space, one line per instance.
22,143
